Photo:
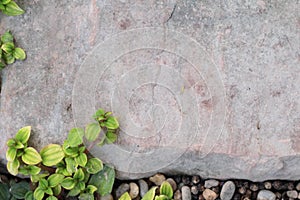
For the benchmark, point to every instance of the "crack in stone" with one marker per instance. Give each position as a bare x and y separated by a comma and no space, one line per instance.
172,13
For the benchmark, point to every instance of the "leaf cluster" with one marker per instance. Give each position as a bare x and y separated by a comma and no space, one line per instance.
9,7
9,53
68,167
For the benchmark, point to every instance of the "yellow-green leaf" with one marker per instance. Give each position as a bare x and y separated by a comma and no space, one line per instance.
81,160
68,183
79,175
52,154
13,167
125,196
55,179
23,134
92,131
111,123
31,156
7,36
38,193
19,54
75,137
166,189
8,47
11,153
150,194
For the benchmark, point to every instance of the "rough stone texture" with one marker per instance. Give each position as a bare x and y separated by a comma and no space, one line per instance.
247,127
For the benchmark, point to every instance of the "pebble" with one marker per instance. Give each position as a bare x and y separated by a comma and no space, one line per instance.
266,195
227,190
186,180
253,187
268,185
157,179
143,187
211,183
277,185
242,190
172,183
124,187
186,193
200,197
292,194
208,194
195,180
298,187
290,186
194,190
177,195
107,197
134,190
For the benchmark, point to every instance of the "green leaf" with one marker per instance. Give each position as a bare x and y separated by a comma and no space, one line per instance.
8,47
81,160
71,165
92,131
43,184
29,170
52,154
2,64
19,145
38,193
103,180
91,189
13,167
99,113
19,54
4,191
7,37
111,123
150,194
79,175
55,179
161,197
48,191
57,190
11,154
68,183
125,196
166,189
4,2
20,189
31,156
11,143
75,137
29,195
38,177
94,165
9,59
52,198
81,185
23,134
86,196
111,137
70,151
12,9
74,191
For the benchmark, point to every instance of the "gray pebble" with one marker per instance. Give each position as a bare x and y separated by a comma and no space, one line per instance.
292,194
208,194
266,195
124,187
172,183
227,190
157,179
177,195
211,183
143,187
254,187
186,193
134,190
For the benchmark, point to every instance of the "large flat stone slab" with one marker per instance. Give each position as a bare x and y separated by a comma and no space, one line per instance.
199,87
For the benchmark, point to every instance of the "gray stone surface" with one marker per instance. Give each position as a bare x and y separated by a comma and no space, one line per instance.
212,90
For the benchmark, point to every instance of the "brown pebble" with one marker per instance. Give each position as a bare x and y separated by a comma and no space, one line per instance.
277,185
172,183
290,186
242,190
216,189
194,190
157,179
201,188
268,185
195,180
134,190
201,197
177,195
253,187
278,195
298,186
209,194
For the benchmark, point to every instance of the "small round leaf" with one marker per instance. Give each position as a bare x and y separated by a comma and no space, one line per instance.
92,131
94,165
52,154
23,134
19,53
31,156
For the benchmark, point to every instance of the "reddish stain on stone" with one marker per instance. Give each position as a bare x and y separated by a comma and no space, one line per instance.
207,103
124,24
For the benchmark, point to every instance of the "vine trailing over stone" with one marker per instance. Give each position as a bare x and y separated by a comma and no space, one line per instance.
68,167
